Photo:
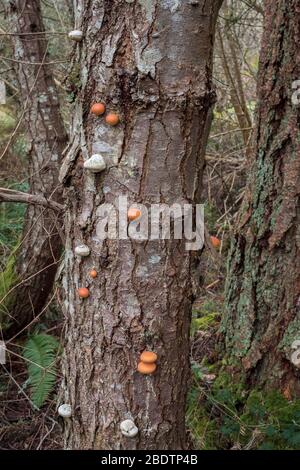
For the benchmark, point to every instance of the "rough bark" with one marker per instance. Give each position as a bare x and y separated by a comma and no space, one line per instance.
263,287
41,242
152,63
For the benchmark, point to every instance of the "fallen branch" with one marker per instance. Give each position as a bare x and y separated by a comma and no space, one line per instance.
10,195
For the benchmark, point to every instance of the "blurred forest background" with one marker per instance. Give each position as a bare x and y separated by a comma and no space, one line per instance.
220,414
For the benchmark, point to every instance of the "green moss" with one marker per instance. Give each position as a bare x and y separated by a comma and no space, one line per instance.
205,322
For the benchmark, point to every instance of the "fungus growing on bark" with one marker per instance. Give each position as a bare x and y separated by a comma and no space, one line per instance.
76,35
133,214
83,292
95,163
65,411
98,109
128,428
146,369
82,250
148,357
215,242
295,357
112,119
93,273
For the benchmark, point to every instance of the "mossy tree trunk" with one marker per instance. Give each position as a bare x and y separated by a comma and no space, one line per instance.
263,287
41,243
151,62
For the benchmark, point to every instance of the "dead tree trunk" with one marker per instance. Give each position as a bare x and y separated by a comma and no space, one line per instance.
150,62
41,243
263,288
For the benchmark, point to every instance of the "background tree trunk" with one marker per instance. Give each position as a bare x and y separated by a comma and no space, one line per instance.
151,62
41,244
263,287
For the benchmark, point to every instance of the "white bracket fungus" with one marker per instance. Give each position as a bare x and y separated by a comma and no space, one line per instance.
65,411
295,357
82,250
76,35
95,164
128,428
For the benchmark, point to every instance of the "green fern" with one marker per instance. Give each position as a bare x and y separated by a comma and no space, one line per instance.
40,352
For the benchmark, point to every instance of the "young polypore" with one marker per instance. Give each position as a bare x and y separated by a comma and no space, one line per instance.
76,35
65,411
128,428
95,163
82,250
295,358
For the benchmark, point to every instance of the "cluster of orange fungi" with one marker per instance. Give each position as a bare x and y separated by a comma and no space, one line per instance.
147,362
111,118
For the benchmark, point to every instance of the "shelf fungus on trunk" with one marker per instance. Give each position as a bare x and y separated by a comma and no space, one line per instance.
95,163
128,428
83,292
295,357
147,362
133,214
112,119
76,35
65,411
82,250
98,109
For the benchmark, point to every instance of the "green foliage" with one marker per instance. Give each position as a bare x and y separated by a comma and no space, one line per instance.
211,216
7,121
8,278
227,416
205,317
204,323
11,218
40,351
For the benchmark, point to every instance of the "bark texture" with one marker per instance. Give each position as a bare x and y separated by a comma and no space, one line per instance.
151,62
41,243
263,288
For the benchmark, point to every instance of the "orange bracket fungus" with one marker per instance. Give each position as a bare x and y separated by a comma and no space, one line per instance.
75,35
95,163
147,362
215,242
146,369
133,214
112,119
98,109
148,357
83,292
93,273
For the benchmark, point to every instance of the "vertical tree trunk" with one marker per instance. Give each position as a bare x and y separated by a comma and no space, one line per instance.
263,288
41,242
151,62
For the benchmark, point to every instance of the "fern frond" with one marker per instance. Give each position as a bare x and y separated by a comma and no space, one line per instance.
40,353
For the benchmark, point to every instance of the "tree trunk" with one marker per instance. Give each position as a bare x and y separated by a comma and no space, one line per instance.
263,288
151,62
41,243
